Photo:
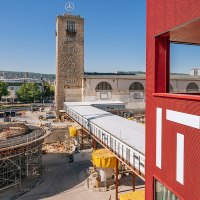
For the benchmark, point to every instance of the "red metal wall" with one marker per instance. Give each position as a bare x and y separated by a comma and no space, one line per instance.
163,15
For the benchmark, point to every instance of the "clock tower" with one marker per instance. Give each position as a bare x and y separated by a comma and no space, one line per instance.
69,59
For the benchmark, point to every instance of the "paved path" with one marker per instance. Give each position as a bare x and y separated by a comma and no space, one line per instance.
66,181
59,177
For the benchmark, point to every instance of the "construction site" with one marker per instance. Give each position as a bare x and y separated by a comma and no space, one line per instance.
114,155
20,153
87,142
39,155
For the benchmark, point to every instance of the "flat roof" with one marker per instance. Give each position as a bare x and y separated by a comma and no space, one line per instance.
128,77
89,103
130,132
178,76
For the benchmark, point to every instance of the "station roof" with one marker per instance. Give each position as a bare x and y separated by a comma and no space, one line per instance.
130,132
129,77
173,76
90,103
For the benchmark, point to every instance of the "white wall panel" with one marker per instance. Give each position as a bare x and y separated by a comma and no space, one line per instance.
159,137
180,158
183,118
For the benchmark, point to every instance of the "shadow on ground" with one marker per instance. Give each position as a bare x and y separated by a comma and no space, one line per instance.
58,176
126,180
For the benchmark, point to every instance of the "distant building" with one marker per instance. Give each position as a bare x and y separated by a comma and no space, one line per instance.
2,75
14,85
26,75
195,72
131,88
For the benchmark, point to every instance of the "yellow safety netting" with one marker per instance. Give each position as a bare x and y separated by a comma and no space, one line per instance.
137,195
103,158
72,131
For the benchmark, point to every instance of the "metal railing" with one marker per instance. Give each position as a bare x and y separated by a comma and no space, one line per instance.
133,158
22,139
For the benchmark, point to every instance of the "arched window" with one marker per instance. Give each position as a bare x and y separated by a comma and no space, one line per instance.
103,86
170,88
136,86
192,87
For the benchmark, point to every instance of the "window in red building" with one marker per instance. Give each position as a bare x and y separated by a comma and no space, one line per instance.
163,193
177,68
184,68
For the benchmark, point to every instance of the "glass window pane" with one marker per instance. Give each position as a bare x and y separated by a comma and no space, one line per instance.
163,193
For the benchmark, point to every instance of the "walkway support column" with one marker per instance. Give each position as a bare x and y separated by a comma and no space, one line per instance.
117,174
82,132
133,180
94,144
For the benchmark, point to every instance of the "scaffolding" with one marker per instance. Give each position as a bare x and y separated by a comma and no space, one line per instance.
21,157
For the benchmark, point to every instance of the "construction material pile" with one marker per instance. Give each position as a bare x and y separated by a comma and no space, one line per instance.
57,147
71,144
140,118
94,181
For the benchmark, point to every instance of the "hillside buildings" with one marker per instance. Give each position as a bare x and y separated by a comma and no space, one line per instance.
14,85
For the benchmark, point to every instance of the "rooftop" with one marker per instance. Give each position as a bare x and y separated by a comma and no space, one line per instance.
90,103
136,75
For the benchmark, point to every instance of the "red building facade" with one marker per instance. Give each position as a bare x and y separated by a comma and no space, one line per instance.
173,120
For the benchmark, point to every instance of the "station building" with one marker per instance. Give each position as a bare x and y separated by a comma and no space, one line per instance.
73,84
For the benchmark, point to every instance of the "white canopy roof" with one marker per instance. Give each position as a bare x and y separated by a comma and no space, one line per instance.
89,103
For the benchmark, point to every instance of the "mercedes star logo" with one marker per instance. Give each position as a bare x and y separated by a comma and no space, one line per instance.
69,6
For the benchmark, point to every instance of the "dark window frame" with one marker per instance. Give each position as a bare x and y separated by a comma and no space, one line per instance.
71,26
103,86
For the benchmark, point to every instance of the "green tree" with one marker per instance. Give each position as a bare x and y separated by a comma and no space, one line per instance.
22,93
29,92
52,90
4,89
34,92
48,90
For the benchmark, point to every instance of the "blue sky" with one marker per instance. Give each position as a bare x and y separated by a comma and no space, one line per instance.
114,36
184,58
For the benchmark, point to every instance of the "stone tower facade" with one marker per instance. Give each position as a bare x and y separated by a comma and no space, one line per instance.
69,59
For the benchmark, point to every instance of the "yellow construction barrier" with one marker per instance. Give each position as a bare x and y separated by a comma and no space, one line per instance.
137,195
72,131
103,158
